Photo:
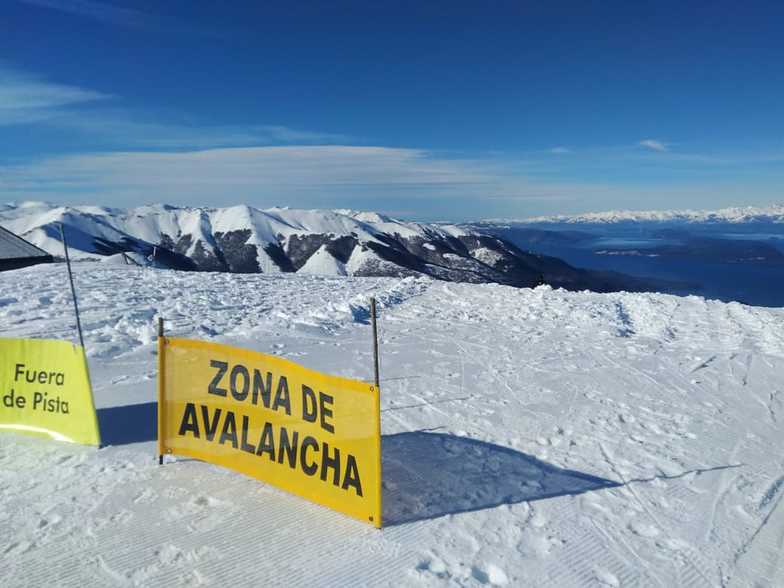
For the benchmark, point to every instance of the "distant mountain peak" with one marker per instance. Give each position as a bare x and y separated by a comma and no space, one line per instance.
773,213
244,239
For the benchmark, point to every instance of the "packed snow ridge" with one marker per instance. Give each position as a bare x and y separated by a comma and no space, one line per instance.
737,214
243,239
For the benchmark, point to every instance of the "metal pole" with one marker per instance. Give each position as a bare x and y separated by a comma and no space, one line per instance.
161,367
373,317
70,279
377,399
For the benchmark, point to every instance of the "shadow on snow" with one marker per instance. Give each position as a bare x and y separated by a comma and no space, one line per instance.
426,475
134,423
429,475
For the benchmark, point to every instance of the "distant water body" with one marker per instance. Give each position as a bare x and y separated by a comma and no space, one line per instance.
730,262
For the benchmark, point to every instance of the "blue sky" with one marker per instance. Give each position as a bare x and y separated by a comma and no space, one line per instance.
428,110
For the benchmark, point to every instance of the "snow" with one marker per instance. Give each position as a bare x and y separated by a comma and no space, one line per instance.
37,222
737,214
363,257
323,263
127,259
487,256
531,438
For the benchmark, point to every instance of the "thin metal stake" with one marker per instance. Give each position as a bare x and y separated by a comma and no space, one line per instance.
70,279
377,387
373,317
161,351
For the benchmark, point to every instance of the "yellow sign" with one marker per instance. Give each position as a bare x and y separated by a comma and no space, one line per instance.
314,435
45,390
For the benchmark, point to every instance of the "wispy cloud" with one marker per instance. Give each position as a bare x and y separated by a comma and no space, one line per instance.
100,11
122,129
121,16
336,176
169,157
654,145
315,176
25,98
33,100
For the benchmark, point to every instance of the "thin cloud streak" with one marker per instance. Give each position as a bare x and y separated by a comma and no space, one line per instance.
335,176
100,11
26,99
111,14
268,172
302,176
124,130
654,145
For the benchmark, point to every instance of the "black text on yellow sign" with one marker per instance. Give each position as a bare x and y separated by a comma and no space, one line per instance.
45,390
315,435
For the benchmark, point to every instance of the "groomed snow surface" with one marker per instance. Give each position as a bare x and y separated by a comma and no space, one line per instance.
531,438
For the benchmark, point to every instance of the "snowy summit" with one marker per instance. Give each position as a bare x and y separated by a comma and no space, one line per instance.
738,214
243,239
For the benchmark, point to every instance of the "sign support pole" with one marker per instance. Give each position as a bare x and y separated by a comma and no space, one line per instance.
377,382
161,364
73,290
373,320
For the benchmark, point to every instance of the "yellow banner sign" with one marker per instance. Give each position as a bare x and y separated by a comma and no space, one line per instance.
311,434
45,390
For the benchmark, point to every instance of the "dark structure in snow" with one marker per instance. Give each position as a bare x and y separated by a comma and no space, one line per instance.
15,252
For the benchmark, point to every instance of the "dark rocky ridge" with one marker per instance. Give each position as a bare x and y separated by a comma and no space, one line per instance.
249,240
444,258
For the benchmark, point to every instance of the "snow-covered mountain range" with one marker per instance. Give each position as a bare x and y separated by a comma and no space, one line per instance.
243,239
736,214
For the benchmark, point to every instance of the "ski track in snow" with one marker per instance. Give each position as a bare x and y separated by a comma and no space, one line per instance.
532,437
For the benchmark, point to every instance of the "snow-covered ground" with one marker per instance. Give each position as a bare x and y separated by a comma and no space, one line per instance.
532,438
